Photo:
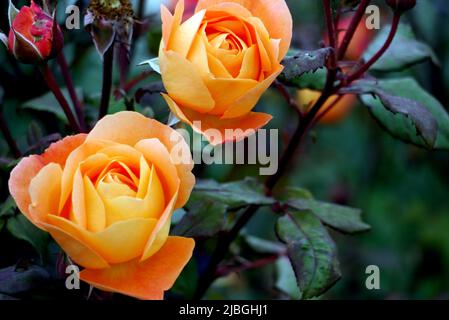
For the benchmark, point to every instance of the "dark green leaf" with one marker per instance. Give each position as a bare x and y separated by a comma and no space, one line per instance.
286,278
312,252
264,246
234,194
403,52
15,280
186,283
408,112
22,229
8,208
339,217
203,219
48,103
302,62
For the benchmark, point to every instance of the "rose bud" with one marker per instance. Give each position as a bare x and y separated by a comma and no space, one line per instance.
400,6
34,35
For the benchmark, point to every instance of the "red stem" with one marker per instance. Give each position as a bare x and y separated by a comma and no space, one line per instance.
364,68
352,28
71,88
331,33
108,60
224,271
53,86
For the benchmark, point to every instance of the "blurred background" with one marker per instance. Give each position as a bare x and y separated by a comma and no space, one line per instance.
402,190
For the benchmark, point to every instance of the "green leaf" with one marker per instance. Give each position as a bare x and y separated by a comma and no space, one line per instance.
203,219
403,52
206,211
286,279
14,280
22,229
234,194
153,63
264,246
406,110
48,103
342,218
7,209
187,282
302,62
312,252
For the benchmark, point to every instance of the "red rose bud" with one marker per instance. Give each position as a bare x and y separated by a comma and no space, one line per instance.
34,35
400,6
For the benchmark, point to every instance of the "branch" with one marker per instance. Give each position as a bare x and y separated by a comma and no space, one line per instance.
352,28
53,86
108,60
71,88
364,68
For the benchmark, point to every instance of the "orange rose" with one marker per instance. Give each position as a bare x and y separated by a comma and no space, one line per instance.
107,199
217,64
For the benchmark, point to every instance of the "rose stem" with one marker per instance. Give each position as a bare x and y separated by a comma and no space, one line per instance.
352,28
224,271
8,137
210,273
71,88
53,86
332,34
108,60
364,68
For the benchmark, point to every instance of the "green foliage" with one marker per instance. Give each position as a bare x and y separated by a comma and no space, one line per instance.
341,218
409,113
403,52
48,103
311,250
21,228
300,63
210,201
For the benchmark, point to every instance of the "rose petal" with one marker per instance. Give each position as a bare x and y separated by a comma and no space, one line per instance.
80,252
214,128
46,182
182,38
246,103
131,127
183,82
29,167
148,279
279,28
19,182
120,242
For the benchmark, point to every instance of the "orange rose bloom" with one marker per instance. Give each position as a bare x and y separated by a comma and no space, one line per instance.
107,199
216,65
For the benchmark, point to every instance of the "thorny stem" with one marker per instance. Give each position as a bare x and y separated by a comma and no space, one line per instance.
9,138
53,86
71,88
305,123
108,60
352,28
